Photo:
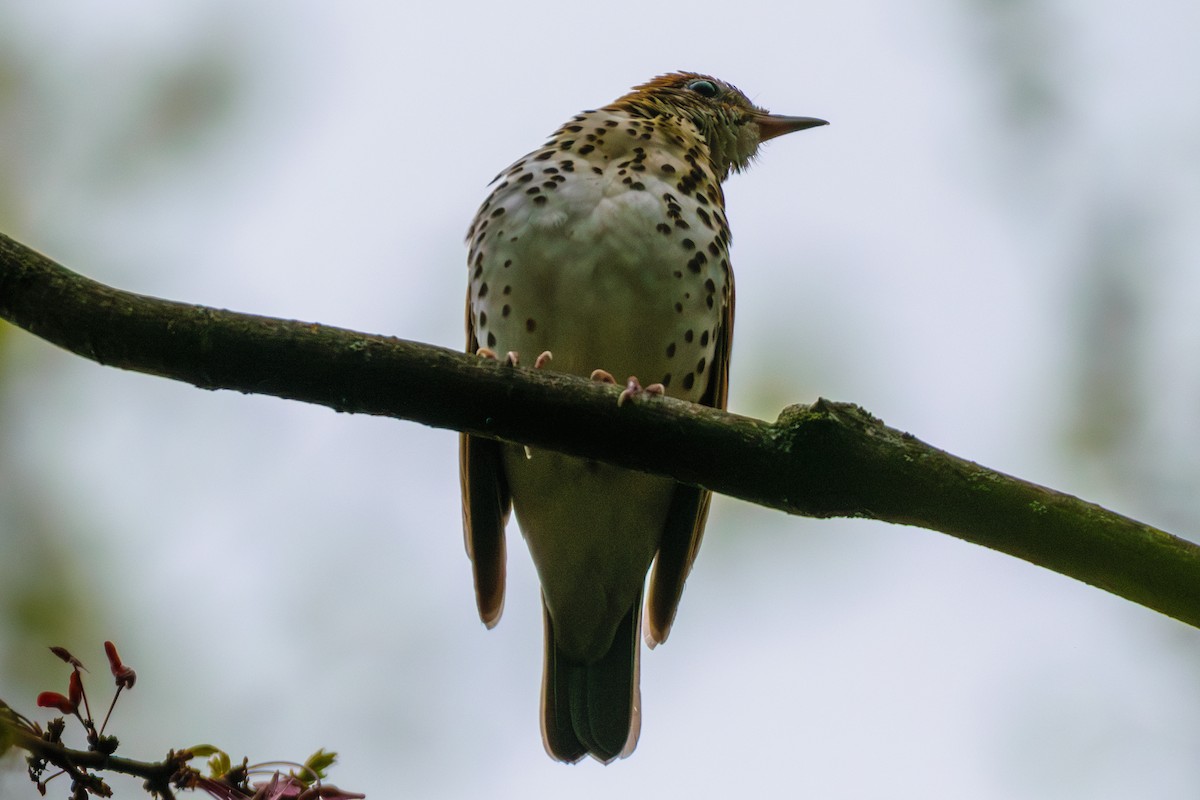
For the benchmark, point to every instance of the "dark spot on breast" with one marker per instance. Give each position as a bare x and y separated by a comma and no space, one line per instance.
483,287
703,337
540,200
507,263
507,290
666,381
587,148
710,286
498,211
637,186
688,335
679,308
713,249
482,319
574,128
667,168
526,178
530,325
504,312
688,244
567,165
533,190
677,274
689,381
491,342
662,227
671,350
700,365
682,224
478,271
544,156
597,170
709,301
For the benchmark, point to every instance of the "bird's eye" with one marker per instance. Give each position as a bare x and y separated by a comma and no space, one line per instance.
703,88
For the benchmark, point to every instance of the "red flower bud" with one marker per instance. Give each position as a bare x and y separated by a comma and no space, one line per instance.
114,660
56,700
76,689
125,675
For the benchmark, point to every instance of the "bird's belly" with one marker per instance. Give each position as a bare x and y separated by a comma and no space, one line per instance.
606,290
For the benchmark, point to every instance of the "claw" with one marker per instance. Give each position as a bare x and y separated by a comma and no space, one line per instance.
543,359
603,377
633,388
511,358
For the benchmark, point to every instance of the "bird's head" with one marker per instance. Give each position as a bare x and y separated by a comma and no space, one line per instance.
731,125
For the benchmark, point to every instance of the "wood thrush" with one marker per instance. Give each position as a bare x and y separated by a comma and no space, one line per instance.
608,248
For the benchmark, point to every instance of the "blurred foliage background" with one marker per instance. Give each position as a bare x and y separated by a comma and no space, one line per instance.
993,246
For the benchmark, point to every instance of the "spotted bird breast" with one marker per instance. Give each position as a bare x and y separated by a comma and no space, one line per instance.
608,247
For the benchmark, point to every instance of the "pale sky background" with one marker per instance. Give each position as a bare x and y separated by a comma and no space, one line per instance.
993,246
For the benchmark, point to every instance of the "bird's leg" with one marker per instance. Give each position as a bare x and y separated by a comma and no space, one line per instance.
633,388
543,359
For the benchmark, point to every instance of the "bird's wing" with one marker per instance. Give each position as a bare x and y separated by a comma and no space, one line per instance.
689,507
485,506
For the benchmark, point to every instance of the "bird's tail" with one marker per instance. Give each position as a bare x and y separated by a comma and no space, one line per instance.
593,709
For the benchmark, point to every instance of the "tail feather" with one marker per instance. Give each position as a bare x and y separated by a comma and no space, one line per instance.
593,709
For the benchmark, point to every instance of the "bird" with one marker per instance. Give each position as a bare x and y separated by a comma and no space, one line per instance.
606,252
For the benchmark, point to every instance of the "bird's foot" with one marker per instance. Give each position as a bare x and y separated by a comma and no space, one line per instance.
603,376
633,388
542,360
511,358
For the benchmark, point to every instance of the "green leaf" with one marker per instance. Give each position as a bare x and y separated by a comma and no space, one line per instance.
317,764
204,750
219,764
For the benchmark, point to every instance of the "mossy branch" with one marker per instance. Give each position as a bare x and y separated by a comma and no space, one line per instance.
823,460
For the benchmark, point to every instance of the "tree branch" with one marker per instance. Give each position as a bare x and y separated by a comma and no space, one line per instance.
824,460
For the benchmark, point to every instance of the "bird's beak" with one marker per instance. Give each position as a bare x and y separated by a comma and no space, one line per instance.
772,125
